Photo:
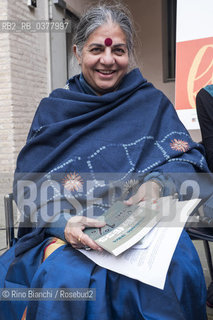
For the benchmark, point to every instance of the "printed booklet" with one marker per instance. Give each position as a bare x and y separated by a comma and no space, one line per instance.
126,225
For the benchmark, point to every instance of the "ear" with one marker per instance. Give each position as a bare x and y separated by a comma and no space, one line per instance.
76,54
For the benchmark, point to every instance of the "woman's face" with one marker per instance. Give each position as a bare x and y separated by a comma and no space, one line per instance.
104,66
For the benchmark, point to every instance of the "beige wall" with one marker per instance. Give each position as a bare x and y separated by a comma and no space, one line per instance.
77,6
148,22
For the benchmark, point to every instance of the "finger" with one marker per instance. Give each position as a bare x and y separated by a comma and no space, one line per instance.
75,240
78,243
79,238
73,233
89,222
87,241
82,221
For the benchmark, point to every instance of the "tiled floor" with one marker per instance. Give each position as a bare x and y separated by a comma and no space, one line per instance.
198,245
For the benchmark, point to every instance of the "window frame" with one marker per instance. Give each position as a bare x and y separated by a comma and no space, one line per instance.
169,13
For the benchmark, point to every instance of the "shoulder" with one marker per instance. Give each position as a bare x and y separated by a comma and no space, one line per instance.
204,99
209,89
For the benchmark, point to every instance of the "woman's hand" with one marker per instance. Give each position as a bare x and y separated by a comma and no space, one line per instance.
148,190
74,232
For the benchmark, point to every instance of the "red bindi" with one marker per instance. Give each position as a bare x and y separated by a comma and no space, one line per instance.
108,42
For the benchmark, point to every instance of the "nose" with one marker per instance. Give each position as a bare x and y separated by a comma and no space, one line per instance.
107,57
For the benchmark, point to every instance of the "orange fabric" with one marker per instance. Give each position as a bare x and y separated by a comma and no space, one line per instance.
24,314
45,249
55,244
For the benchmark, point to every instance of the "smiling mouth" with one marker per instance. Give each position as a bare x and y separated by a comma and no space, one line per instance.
106,72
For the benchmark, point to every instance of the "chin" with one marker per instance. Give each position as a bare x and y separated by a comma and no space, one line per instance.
105,90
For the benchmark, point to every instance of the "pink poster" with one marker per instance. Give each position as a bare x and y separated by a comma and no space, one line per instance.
194,56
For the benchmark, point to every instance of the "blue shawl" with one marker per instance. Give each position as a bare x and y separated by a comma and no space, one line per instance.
132,130
74,131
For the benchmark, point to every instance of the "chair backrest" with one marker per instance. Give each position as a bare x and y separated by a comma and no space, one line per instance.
9,219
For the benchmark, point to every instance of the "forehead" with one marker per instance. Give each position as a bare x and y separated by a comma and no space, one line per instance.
107,30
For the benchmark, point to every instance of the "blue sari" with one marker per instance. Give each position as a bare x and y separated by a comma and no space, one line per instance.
134,130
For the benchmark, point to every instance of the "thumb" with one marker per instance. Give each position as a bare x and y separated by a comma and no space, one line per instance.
134,199
128,202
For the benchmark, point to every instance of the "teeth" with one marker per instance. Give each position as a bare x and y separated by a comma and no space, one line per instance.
106,72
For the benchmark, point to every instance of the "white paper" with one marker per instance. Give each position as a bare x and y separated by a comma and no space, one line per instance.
149,260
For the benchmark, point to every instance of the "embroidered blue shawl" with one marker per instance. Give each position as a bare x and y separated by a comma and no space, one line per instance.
132,130
74,130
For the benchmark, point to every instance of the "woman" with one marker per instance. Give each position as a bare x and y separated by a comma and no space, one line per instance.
204,104
106,121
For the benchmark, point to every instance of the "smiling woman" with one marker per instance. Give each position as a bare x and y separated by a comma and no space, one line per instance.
103,65
108,127
104,52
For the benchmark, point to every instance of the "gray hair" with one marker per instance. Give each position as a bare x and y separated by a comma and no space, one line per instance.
96,16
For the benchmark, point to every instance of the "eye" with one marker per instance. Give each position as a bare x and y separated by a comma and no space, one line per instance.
96,50
119,51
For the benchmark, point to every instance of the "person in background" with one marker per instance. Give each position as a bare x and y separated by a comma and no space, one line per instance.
204,105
